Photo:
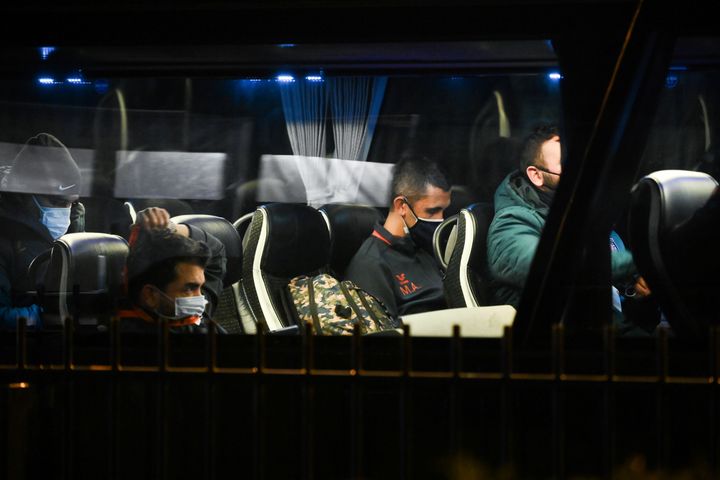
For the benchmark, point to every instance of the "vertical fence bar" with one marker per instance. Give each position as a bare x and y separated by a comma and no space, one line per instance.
558,359
405,394
609,400
258,406
68,423
506,432
162,414
211,365
308,359
356,409
714,407
455,396
113,413
661,352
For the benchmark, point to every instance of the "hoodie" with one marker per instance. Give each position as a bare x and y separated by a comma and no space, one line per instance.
22,238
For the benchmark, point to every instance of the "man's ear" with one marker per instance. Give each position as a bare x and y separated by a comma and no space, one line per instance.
535,176
399,205
149,297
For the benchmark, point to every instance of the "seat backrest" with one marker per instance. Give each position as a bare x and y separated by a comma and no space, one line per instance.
224,231
87,264
283,241
466,282
106,215
350,225
660,202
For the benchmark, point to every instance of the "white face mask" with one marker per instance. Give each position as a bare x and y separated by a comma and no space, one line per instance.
56,220
185,306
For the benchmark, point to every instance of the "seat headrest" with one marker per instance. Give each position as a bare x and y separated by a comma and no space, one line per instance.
294,239
482,213
660,202
466,280
224,231
680,192
350,226
94,262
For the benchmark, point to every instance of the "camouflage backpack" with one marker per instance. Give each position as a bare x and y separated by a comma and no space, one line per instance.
334,307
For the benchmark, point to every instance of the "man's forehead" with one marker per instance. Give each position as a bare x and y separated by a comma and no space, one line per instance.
434,196
550,147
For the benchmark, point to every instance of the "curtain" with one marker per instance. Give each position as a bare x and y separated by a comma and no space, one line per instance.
355,104
304,105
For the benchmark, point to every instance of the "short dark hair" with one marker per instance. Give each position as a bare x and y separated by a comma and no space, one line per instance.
531,149
154,256
413,174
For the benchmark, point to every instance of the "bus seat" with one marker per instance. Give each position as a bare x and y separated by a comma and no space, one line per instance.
231,312
284,241
466,278
350,225
89,264
106,215
661,201
495,161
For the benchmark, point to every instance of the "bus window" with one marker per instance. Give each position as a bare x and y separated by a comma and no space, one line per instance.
674,231
307,129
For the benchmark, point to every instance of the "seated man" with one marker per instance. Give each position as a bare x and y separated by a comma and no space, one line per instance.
38,204
396,263
522,202
174,273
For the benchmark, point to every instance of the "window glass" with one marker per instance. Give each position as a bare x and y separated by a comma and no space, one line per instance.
673,220
313,124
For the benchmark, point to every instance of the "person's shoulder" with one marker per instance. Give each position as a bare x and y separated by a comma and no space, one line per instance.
369,251
517,213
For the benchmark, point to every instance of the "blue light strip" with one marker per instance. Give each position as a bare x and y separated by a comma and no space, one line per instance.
46,51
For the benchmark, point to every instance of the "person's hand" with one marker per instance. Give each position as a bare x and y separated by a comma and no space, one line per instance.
641,288
154,218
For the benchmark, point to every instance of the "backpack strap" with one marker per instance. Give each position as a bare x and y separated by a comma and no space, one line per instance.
352,304
370,311
313,306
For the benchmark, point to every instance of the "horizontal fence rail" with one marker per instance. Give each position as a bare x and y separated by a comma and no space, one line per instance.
112,405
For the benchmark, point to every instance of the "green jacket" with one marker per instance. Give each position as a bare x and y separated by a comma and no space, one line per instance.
514,233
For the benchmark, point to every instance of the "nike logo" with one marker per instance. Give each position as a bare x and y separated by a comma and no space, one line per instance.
62,189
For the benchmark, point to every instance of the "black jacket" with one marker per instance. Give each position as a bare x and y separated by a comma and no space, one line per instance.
401,275
22,238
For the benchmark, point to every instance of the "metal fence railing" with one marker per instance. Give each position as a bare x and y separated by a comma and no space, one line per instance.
89,404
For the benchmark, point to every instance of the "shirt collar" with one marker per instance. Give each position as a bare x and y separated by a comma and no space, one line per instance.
404,244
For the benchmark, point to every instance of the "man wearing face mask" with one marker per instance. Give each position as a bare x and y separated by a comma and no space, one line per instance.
396,263
174,273
38,204
522,202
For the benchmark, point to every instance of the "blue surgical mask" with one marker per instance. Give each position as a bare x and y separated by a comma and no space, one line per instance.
185,306
56,220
